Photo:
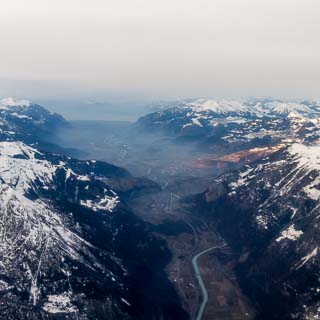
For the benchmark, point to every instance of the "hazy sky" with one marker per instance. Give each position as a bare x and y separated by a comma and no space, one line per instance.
160,48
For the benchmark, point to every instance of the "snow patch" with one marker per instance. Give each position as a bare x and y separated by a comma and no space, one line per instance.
262,221
59,304
107,203
290,233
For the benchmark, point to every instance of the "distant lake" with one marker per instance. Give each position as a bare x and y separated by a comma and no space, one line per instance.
90,110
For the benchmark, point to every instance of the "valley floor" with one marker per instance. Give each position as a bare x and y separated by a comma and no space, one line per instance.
225,300
173,167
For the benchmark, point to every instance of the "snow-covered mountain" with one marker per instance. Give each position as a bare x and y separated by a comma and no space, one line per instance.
234,123
69,243
257,107
268,212
18,115
21,120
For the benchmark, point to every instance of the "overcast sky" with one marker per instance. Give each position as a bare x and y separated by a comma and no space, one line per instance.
160,48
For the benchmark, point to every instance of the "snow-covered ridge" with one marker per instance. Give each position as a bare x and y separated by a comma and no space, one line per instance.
238,121
308,160
35,223
305,160
23,168
307,155
11,149
6,103
258,107
218,106
41,227
19,168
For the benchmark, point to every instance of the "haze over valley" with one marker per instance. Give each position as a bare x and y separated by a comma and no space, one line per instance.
159,160
214,188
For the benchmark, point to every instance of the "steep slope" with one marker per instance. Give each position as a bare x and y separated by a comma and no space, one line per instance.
70,247
268,213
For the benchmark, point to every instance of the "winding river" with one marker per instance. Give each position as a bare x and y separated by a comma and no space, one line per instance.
201,283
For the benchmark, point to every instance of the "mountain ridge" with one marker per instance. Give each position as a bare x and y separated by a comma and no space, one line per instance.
268,213
69,241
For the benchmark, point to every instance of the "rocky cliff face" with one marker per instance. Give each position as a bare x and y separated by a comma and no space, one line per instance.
268,213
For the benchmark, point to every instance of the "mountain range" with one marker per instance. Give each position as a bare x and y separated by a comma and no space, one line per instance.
236,124
70,246
267,209
73,248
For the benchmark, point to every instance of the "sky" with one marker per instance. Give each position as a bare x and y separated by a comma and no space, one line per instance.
87,49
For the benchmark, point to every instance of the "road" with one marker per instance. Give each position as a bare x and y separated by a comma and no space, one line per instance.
202,286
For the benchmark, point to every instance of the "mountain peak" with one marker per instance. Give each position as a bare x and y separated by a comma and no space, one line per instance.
11,102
